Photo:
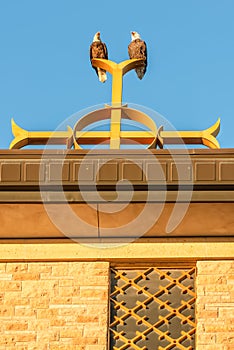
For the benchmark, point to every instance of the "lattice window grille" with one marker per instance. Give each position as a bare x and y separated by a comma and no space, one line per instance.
152,309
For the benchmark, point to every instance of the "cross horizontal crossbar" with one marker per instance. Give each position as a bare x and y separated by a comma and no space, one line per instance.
24,137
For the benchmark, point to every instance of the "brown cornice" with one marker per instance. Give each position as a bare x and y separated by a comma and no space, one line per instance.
208,174
202,178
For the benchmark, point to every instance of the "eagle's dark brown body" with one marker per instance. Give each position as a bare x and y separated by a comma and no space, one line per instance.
98,50
137,49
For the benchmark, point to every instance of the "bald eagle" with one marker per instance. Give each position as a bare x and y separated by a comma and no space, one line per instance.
137,49
98,50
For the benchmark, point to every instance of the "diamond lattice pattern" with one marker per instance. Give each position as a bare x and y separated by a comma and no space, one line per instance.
152,309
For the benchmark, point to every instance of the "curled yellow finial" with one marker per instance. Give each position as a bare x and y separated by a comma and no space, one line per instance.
16,129
209,135
21,136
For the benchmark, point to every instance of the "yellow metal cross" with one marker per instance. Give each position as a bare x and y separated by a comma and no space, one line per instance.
115,113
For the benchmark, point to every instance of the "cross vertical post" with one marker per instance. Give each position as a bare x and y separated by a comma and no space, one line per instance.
116,103
117,70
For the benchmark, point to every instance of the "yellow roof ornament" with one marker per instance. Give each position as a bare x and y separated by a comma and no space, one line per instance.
152,137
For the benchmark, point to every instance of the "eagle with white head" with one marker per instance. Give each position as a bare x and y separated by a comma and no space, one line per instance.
137,49
98,49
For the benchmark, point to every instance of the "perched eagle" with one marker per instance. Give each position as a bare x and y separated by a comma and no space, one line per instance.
98,50
137,49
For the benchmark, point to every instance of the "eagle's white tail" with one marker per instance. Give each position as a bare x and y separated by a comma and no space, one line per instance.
102,75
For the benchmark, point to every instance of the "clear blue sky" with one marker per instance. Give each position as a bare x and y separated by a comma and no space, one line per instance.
45,73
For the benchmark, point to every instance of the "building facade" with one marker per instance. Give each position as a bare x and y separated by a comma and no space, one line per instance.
92,261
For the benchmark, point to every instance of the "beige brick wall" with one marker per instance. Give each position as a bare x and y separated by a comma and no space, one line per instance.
215,305
64,305
54,305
